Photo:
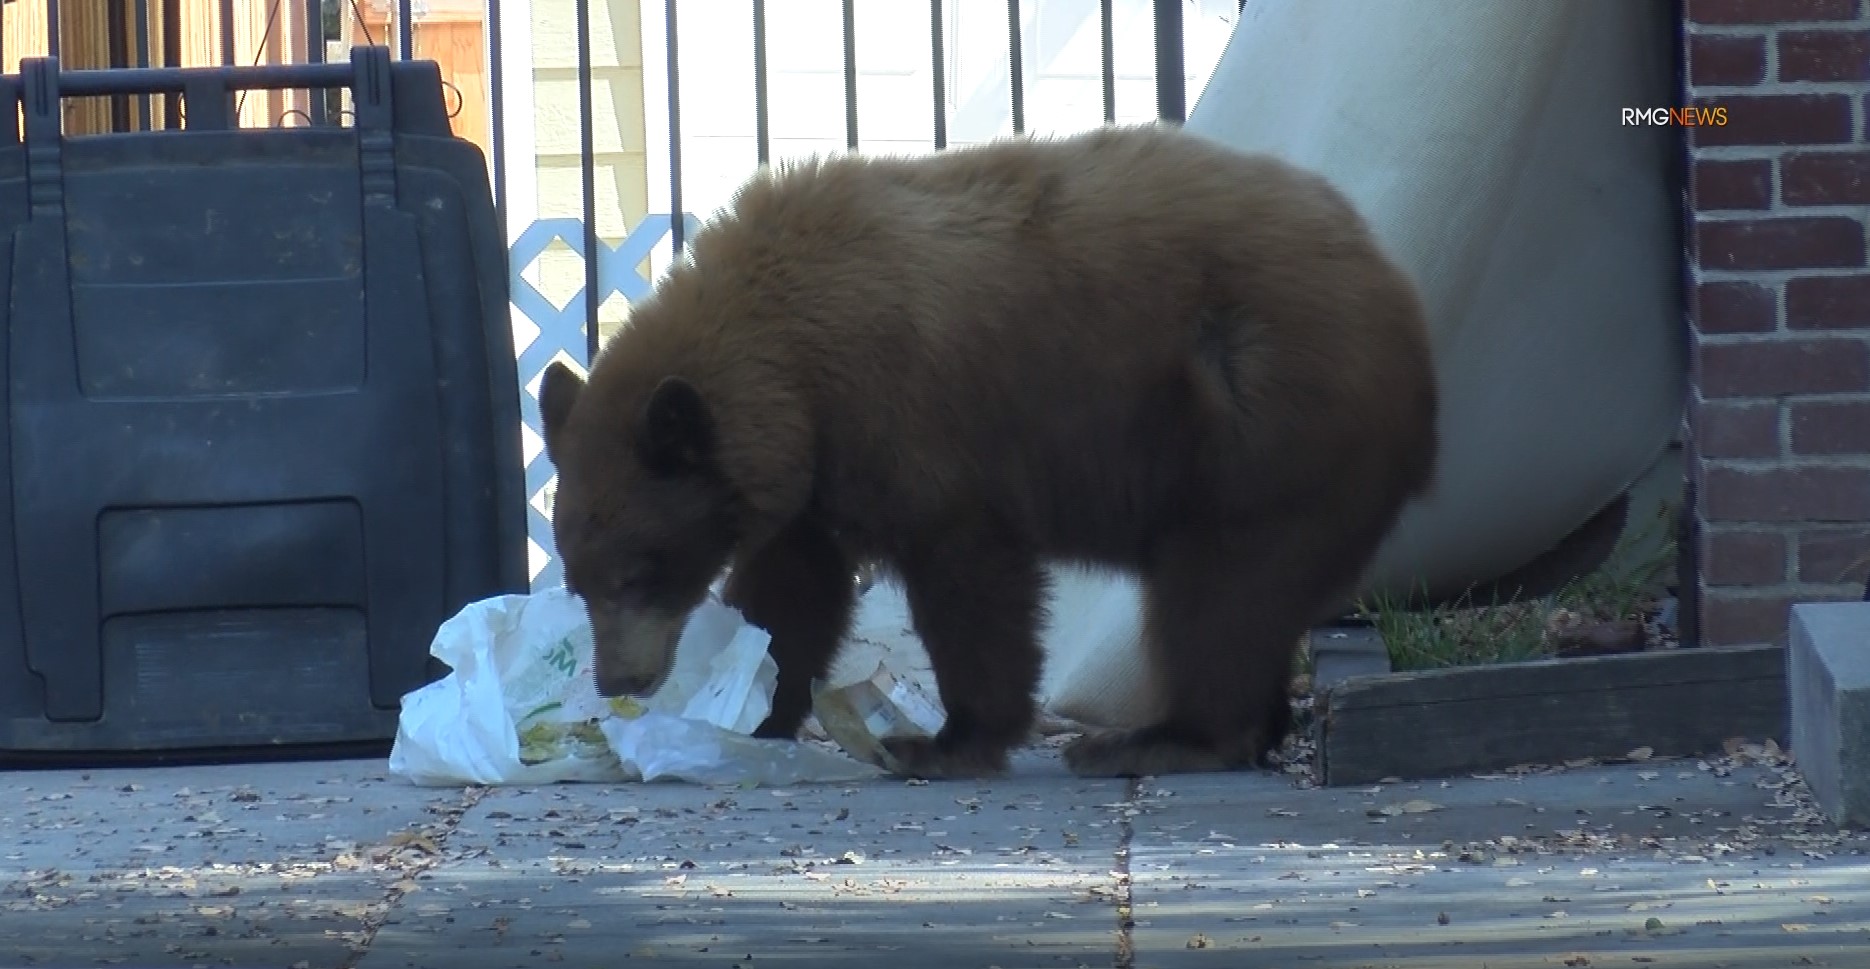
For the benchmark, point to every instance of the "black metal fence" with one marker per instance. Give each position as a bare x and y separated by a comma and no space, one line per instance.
1171,98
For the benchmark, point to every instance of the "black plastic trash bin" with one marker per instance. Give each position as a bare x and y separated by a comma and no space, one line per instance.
260,433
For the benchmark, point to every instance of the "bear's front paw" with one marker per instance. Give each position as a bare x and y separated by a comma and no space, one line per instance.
1139,753
929,759
770,729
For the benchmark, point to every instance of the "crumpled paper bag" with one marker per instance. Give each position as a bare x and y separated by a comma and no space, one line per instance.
860,716
520,706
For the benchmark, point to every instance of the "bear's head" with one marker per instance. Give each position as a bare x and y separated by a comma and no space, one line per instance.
644,517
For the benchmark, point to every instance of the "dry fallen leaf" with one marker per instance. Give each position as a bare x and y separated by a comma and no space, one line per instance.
414,839
1653,926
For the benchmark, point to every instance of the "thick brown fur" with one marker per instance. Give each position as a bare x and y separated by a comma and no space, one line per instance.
1129,347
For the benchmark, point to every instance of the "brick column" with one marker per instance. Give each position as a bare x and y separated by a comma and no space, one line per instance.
1779,408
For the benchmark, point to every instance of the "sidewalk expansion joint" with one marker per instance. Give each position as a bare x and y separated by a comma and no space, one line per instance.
427,843
1120,870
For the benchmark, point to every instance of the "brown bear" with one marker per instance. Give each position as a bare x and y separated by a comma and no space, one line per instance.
1132,348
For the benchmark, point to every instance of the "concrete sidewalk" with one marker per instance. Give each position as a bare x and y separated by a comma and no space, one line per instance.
1666,864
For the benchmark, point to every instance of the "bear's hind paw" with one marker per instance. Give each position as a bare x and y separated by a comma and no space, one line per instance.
928,759
1142,753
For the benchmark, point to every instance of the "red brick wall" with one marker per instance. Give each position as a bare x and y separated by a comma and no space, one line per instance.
1779,409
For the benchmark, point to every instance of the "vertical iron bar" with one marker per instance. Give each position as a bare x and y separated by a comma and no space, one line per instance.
1016,68
1171,86
315,54
850,74
938,60
142,58
587,172
496,115
762,133
406,29
171,57
676,228
116,19
51,28
227,32
1107,54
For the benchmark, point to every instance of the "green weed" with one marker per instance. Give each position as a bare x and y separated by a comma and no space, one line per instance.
1467,633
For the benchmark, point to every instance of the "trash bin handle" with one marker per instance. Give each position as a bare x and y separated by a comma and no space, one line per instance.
228,78
205,90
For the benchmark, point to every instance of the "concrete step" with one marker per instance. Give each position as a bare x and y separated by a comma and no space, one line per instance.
1828,687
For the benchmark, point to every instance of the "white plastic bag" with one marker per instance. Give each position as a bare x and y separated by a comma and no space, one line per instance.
512,709
521,707
706,741
657,746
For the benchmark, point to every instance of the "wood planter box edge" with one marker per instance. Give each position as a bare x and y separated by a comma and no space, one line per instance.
1460,720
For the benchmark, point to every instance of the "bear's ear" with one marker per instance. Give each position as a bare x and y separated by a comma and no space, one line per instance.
558,391
677,432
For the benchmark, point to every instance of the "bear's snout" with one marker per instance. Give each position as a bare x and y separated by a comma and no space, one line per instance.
627,684
634,651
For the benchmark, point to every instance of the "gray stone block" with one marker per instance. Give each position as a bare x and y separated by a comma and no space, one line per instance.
1828,682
